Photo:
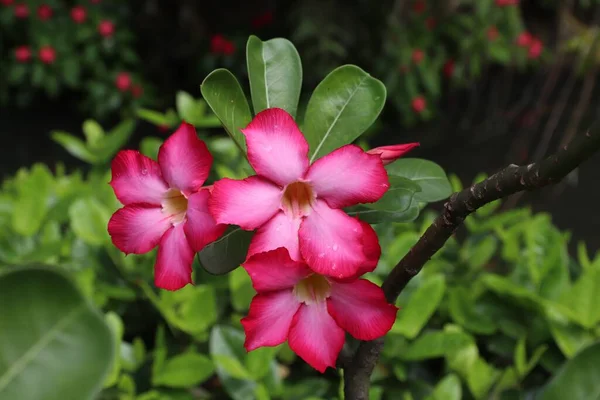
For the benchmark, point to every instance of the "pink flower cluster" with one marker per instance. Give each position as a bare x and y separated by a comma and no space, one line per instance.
307,255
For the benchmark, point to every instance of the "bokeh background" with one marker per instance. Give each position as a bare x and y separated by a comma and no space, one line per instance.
479,83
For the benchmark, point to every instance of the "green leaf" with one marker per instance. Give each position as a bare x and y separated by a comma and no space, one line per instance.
114,140
75,146
31,204
477,251
435,344
422,304
342,107
227,253
578,377
93,132
432,179
154,117
372,216
115,324
89,219
185,370
149,146
48,332
399,196
240,288
258,362
275,73
583,298
464,311
225,97
187,108
448,388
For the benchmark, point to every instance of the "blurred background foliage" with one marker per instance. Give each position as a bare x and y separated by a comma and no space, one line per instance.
507,310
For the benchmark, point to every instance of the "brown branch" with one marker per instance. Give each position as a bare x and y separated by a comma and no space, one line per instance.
508,181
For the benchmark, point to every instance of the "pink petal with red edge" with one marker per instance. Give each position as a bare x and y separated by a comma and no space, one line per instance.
274,270
185,160
173,268
137,228
330,242
248,203
137,178
279,231
200,226
361,309
277,149
269,319
371,250
389,154
315,336
348,176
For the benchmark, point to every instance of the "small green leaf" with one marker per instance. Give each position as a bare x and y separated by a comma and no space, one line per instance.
114,140
225,97
578,377
185,370
89,219
275,73
258,362
378,216
93,132
149,146
342,107
31,204
154,117
188,109
448,388
227,253
464,311
583,298
436,344
44,317
75,146
240,288
428,175
399,196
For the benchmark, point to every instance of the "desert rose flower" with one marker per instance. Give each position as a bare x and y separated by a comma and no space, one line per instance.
47,54
417,56
78,14
389,154
449,68
309,310
6,2
44,12
106,28
535,48
23,54
21,11
165,205
123,81
418,104
296,205
524,39
137,91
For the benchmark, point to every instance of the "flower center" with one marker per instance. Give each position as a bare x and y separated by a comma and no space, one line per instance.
312,289
298,198
175,205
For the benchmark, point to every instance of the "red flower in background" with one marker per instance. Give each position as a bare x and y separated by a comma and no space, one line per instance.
106,28
264,19
419,6
44,12
389,154
21,11
535,49
220,45
505,3
47,54
417,56
449,68
137,91
524,39
418,104
492,33
430,23
23,54
6,2
78,14
123,81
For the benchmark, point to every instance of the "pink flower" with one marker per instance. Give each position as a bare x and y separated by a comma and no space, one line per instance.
505,3
44,12
78,14
106,28
299,206
216,43
449,68
6,2
309,310
419,6
492,33
123,81
430,23
417,56
165,205
137,91
418,104
535,48
389,154
21,11
47,54
524,39
23,54
228,48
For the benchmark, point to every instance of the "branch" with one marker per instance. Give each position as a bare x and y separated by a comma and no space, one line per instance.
508,181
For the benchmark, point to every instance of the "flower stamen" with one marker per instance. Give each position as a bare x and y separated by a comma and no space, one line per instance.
175,205
312,289
298,198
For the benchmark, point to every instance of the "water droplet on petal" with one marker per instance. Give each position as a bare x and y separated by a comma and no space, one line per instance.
144,171
321,255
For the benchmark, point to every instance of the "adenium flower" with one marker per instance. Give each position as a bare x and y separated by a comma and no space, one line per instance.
418,104
123,81
505,3
298,206
23,54
524,39
535,48
389,154
78,14
106,28
417,56
137,91
309,310
449,68
6,2
492,33
419,6
44,12
21,11
165,205
47,54
220,45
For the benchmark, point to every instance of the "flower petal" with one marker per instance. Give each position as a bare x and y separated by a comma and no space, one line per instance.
277,150
137,178
348,176
200,227
279,231
274,270
371,250
185,160
137,228
330,242
269,319
389,154
248,203
315,336
361,309
173,268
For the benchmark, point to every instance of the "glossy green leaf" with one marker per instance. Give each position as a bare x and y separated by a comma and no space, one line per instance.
435,344
275,73
342,107
398,197
432,179
227,253
240,289
477,251
93,132
75,146
224,95
464,310
185,370
114,140
187,107
578,377
448,388
34,189
89,219
115,324
422,304
155,117
583,298
378,216
258,362
53,344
